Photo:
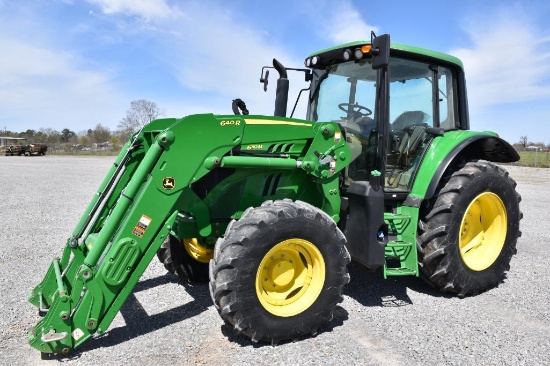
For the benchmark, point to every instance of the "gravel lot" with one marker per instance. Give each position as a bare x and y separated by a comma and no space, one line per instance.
400,321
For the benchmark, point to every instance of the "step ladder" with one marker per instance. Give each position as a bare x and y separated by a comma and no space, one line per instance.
401,255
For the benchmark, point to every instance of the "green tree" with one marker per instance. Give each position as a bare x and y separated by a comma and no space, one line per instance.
40,137
29,135
67,135
84,140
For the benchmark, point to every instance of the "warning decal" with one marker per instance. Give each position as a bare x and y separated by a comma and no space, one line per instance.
141,226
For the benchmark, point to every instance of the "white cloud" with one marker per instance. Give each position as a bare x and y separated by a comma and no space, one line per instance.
218,56
39,85
508,60
213,56
344,23
211,51
147,9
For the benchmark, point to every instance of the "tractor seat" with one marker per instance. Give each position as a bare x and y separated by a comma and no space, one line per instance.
409,118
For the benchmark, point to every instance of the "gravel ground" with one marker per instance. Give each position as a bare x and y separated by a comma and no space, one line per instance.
399,321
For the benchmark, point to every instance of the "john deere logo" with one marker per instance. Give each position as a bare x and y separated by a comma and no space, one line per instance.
168,183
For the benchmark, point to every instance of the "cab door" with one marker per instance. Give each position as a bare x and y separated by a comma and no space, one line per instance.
421,104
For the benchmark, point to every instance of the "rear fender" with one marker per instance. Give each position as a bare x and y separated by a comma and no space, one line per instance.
489,148
451,147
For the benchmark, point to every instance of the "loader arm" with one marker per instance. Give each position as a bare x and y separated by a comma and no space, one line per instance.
146,193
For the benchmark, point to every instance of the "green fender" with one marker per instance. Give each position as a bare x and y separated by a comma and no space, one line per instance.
446,148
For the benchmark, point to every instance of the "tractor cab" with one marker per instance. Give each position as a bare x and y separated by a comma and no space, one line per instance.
389,121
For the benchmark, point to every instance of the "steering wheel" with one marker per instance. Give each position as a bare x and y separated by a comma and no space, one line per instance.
355,108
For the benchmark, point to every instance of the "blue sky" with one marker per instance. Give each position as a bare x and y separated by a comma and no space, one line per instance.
74,64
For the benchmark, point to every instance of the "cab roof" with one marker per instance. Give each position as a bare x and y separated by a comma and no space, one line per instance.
401,48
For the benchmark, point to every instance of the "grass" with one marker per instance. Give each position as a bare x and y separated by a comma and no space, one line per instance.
540,159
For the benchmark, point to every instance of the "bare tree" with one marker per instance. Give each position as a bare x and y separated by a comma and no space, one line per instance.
523,141
50,136
141,112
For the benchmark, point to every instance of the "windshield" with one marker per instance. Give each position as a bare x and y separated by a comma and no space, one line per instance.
346,92
343,91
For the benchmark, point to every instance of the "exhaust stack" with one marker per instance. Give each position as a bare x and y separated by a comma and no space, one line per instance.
281,97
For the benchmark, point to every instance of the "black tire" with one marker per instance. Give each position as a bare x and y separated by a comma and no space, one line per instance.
480,198
176,260
236,277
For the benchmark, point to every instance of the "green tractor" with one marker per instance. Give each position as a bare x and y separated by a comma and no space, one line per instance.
271,210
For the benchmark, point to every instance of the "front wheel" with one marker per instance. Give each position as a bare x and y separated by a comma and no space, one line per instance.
186,258
279,271
470,232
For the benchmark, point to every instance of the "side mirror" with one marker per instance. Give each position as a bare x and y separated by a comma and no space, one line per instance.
264,79
380,51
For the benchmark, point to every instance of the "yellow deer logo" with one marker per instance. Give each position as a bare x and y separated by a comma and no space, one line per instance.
168,183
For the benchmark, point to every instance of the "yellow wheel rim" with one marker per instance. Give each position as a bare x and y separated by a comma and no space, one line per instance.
290,277
197,251
483,231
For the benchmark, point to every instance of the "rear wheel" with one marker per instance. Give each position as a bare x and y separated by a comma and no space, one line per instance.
185,258
470,233
279,272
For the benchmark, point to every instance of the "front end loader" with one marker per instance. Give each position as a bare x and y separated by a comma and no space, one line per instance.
270,210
